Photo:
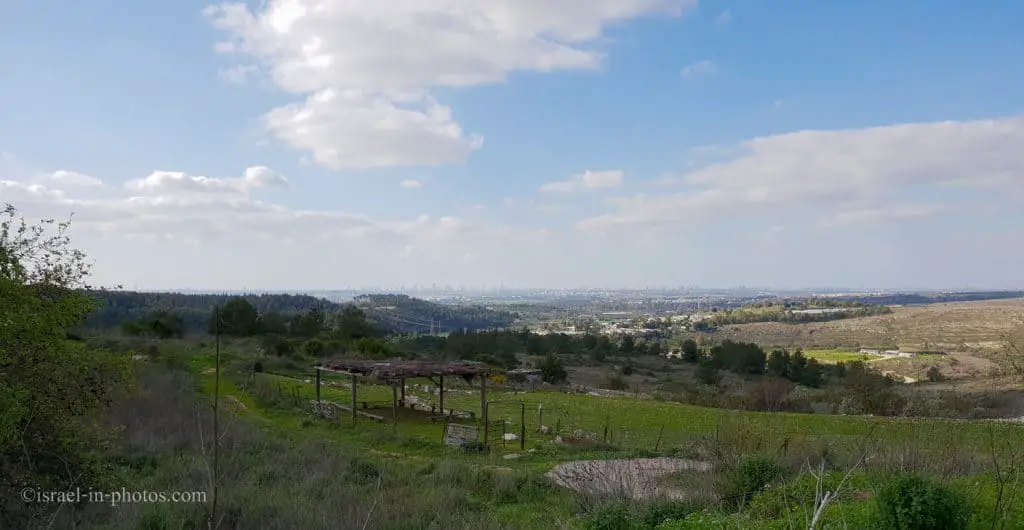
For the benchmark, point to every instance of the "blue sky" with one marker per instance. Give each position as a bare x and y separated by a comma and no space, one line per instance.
864,144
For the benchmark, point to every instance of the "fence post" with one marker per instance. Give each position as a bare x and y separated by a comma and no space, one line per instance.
658,443
522,427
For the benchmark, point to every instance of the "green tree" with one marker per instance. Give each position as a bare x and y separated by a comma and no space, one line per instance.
707,372
314,348
351,324
778,364
309,324
552,370
50,388
536,345
690,352
273,323
628,345
238,318
277,345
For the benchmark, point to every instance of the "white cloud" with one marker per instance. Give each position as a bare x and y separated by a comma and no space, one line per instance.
20,191
871,216
173,210
358,130
176,182
70,178
366,66
411,184
588,180
239,74
820,169
724,18
699,68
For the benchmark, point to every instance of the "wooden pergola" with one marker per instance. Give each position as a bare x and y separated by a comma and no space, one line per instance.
395,372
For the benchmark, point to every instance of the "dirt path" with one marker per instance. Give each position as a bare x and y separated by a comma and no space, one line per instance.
641,478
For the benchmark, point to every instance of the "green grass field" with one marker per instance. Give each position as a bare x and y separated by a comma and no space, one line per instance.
838,356
635,427
630,423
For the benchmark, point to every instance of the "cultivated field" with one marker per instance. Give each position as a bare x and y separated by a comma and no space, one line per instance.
962,327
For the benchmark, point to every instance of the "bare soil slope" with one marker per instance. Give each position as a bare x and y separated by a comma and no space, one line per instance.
961,326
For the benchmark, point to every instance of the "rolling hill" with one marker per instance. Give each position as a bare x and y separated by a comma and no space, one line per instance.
394,313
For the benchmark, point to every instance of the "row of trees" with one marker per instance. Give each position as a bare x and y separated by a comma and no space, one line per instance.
747,358
781,313
238,318
500,347
116,306
405,314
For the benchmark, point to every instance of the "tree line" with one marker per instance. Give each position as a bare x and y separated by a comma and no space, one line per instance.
747,358
779,312
404,314
393,313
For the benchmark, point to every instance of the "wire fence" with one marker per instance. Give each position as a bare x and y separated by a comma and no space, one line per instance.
529,420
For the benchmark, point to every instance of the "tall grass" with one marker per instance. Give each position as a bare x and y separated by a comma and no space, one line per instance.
271,482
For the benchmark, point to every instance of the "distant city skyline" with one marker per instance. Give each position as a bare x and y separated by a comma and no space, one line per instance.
453,290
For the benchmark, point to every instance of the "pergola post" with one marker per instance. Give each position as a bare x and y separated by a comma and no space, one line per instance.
483,403
394,408
317,385
354,399
402,398
440,394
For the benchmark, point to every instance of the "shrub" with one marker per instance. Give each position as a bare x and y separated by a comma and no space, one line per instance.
474,446
658,513
752,475
707,373
552,370
935,375
616,382
910,502
610,517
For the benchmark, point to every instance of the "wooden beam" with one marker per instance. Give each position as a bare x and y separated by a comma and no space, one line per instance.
402,398
370,415
318,386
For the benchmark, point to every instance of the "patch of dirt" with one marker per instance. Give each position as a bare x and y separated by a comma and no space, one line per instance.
637,479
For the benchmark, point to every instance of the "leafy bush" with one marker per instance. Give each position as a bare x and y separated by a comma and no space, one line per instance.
474,446
552,370
707,373
911,502
616,382
752,475
657,513
611,517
